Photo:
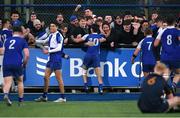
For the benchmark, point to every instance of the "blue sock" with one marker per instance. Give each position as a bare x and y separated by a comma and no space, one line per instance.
20,99
44,95
6,94
85,85
62,96
100,86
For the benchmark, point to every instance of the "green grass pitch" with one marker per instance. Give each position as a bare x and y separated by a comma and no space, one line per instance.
77,109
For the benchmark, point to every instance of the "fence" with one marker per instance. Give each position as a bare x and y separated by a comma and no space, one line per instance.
48,9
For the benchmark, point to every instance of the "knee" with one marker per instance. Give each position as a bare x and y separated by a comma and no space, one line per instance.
176,99
46,79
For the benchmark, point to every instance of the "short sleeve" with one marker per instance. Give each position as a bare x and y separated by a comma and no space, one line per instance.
160,34
140,44
59,37
1,44
25,44
85,37
178,32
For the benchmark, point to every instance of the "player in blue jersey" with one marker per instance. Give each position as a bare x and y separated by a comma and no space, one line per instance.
92,57
6,31
170,41
55,51
14,62
148,58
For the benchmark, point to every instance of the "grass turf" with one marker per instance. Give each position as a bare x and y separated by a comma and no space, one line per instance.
77,109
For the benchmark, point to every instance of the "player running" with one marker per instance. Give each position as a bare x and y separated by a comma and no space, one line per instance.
148,59
13,63
154,88
55,51
170,41
92,57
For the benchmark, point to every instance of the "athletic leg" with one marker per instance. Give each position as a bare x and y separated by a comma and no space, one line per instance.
6,88
99,77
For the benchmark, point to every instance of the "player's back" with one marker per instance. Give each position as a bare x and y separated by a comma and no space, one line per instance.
94,50
170,44
147,51
13,51
152,90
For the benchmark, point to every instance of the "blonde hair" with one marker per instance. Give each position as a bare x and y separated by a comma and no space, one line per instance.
36,21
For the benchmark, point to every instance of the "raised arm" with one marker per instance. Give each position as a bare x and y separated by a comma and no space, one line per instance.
158,39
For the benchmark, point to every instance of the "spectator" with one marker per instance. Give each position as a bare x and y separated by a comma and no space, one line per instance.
89,21
110,35
100,18
29,24
39,32
128,15
108,18
60,19
99,22
144,26
117,24
0,24
15,15
64,32
74,23
81,30
154,16
128,33
88,12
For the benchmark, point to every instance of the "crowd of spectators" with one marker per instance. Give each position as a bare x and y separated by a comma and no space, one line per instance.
124,30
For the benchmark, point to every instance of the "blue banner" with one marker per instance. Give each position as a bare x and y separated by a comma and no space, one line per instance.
116,67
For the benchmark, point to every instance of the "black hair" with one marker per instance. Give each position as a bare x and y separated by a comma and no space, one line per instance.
15,12
17,29
55,23
106,23
5,21
148,31
170,20
95,28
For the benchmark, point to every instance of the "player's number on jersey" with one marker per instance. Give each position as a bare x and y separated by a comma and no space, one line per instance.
95,40
149,47
169,39
11,46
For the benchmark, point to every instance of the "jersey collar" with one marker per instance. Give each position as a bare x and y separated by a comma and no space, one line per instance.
17,35
170,27
5,29
148,36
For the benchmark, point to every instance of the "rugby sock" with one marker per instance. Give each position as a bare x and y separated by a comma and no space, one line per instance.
20,99
6,95
62,96
100,86
44,95
85,85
